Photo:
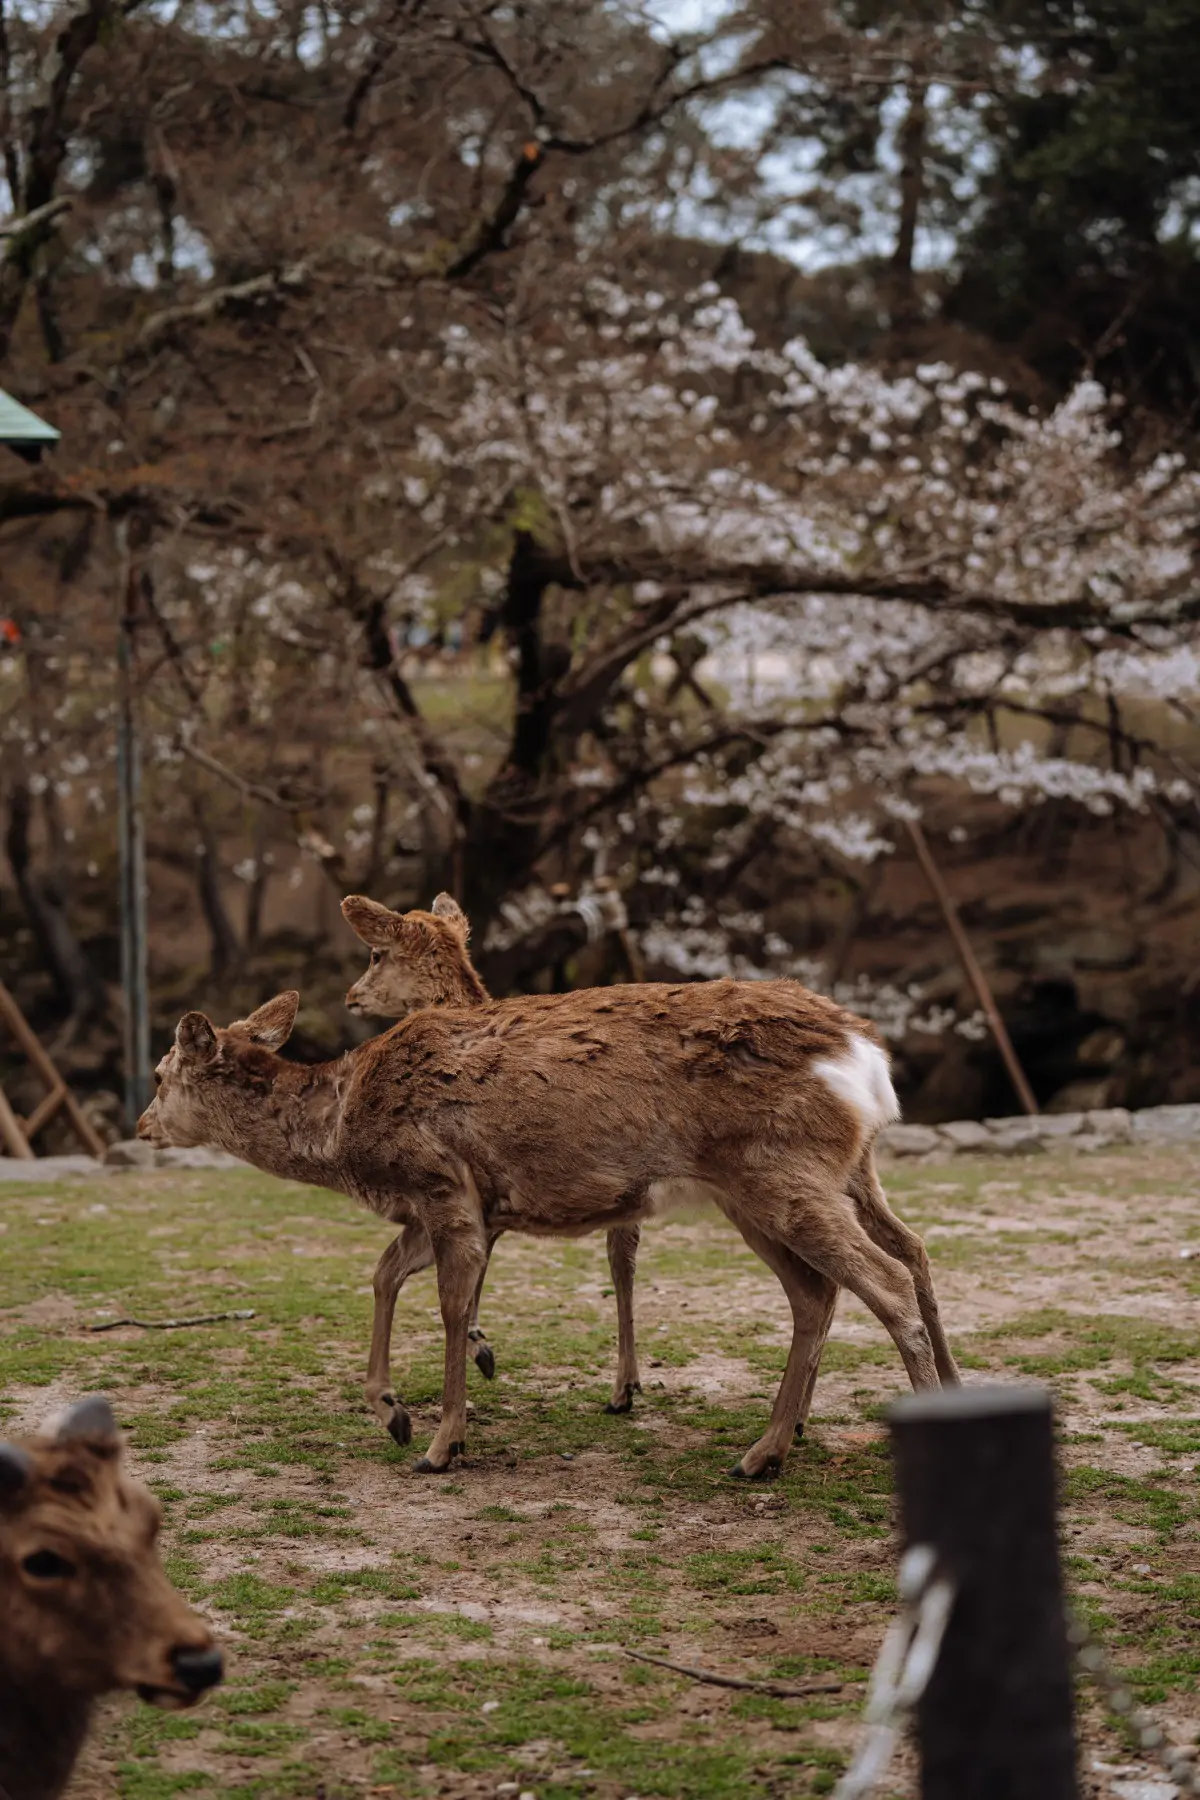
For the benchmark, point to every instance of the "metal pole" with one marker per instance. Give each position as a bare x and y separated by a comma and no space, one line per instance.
135,982
975,1469
975,974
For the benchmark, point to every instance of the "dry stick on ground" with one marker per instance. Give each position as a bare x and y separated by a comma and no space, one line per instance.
171,1324
781,1690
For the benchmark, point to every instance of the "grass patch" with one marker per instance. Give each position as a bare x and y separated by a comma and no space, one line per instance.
393,1632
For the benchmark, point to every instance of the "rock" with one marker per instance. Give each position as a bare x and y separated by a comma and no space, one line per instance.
1172,1124
1108,1125
1015,1137
1086,1096
130,1153
1051,1126
910,1140
48,1168
1101,1049
965,1135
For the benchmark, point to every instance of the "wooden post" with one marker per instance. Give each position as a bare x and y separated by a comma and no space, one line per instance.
975,974
975,1470
58,1096
11,1136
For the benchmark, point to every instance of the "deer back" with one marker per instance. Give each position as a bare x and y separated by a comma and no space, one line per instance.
590,1098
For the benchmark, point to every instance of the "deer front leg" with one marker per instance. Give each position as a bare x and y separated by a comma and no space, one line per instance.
406,1255
461,1262
622,1260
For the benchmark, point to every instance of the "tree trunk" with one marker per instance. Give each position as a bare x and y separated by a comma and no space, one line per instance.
904,305
76,982
504,829
226,951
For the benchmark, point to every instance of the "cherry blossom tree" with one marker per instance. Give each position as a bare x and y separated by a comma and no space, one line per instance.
475,542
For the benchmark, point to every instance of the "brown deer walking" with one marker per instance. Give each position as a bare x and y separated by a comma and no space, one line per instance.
561,1114
421,959
85,1604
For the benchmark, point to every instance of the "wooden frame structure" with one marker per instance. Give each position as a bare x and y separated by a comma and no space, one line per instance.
16,1134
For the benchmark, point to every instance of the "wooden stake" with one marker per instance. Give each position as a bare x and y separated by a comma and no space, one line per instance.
58,1097
975,974
11,1135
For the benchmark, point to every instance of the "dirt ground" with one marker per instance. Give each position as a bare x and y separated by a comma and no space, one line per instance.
471,1635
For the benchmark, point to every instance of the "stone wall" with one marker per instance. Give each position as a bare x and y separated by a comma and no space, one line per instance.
1023,1136
1018,1136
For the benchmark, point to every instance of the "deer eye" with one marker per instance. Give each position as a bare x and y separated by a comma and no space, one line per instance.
48,1565
375,956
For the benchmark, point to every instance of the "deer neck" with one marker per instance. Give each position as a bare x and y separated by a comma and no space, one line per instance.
42,1729
463,987
288,1126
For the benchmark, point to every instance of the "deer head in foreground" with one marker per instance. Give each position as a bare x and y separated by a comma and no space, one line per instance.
561,1114
85,1602
421,959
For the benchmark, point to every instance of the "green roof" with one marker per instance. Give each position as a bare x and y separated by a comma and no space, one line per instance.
18,426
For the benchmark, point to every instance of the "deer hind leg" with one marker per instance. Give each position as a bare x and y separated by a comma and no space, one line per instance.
812,1298
461,1257
819,1221
622,1260
477,1343
900,1241
406,1255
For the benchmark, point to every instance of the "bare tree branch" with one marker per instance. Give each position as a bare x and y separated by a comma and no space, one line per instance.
45,148
491,233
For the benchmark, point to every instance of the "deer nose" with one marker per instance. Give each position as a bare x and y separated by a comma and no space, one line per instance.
198,1669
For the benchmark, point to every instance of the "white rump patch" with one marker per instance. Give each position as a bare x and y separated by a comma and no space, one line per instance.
860,1076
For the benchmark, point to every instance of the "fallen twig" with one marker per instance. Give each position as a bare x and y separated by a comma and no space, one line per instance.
781,1690
171,1324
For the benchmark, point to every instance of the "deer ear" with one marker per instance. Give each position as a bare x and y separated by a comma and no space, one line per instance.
446,907
376,925
272,1024
195,1039
16,1470
91,1418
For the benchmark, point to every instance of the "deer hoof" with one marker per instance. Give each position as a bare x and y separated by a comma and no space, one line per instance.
400,1427
770,1467
621,1406
424,1466
485,1362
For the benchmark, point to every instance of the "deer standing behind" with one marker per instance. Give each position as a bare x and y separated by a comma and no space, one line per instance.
85,1604
420,959
560,1114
